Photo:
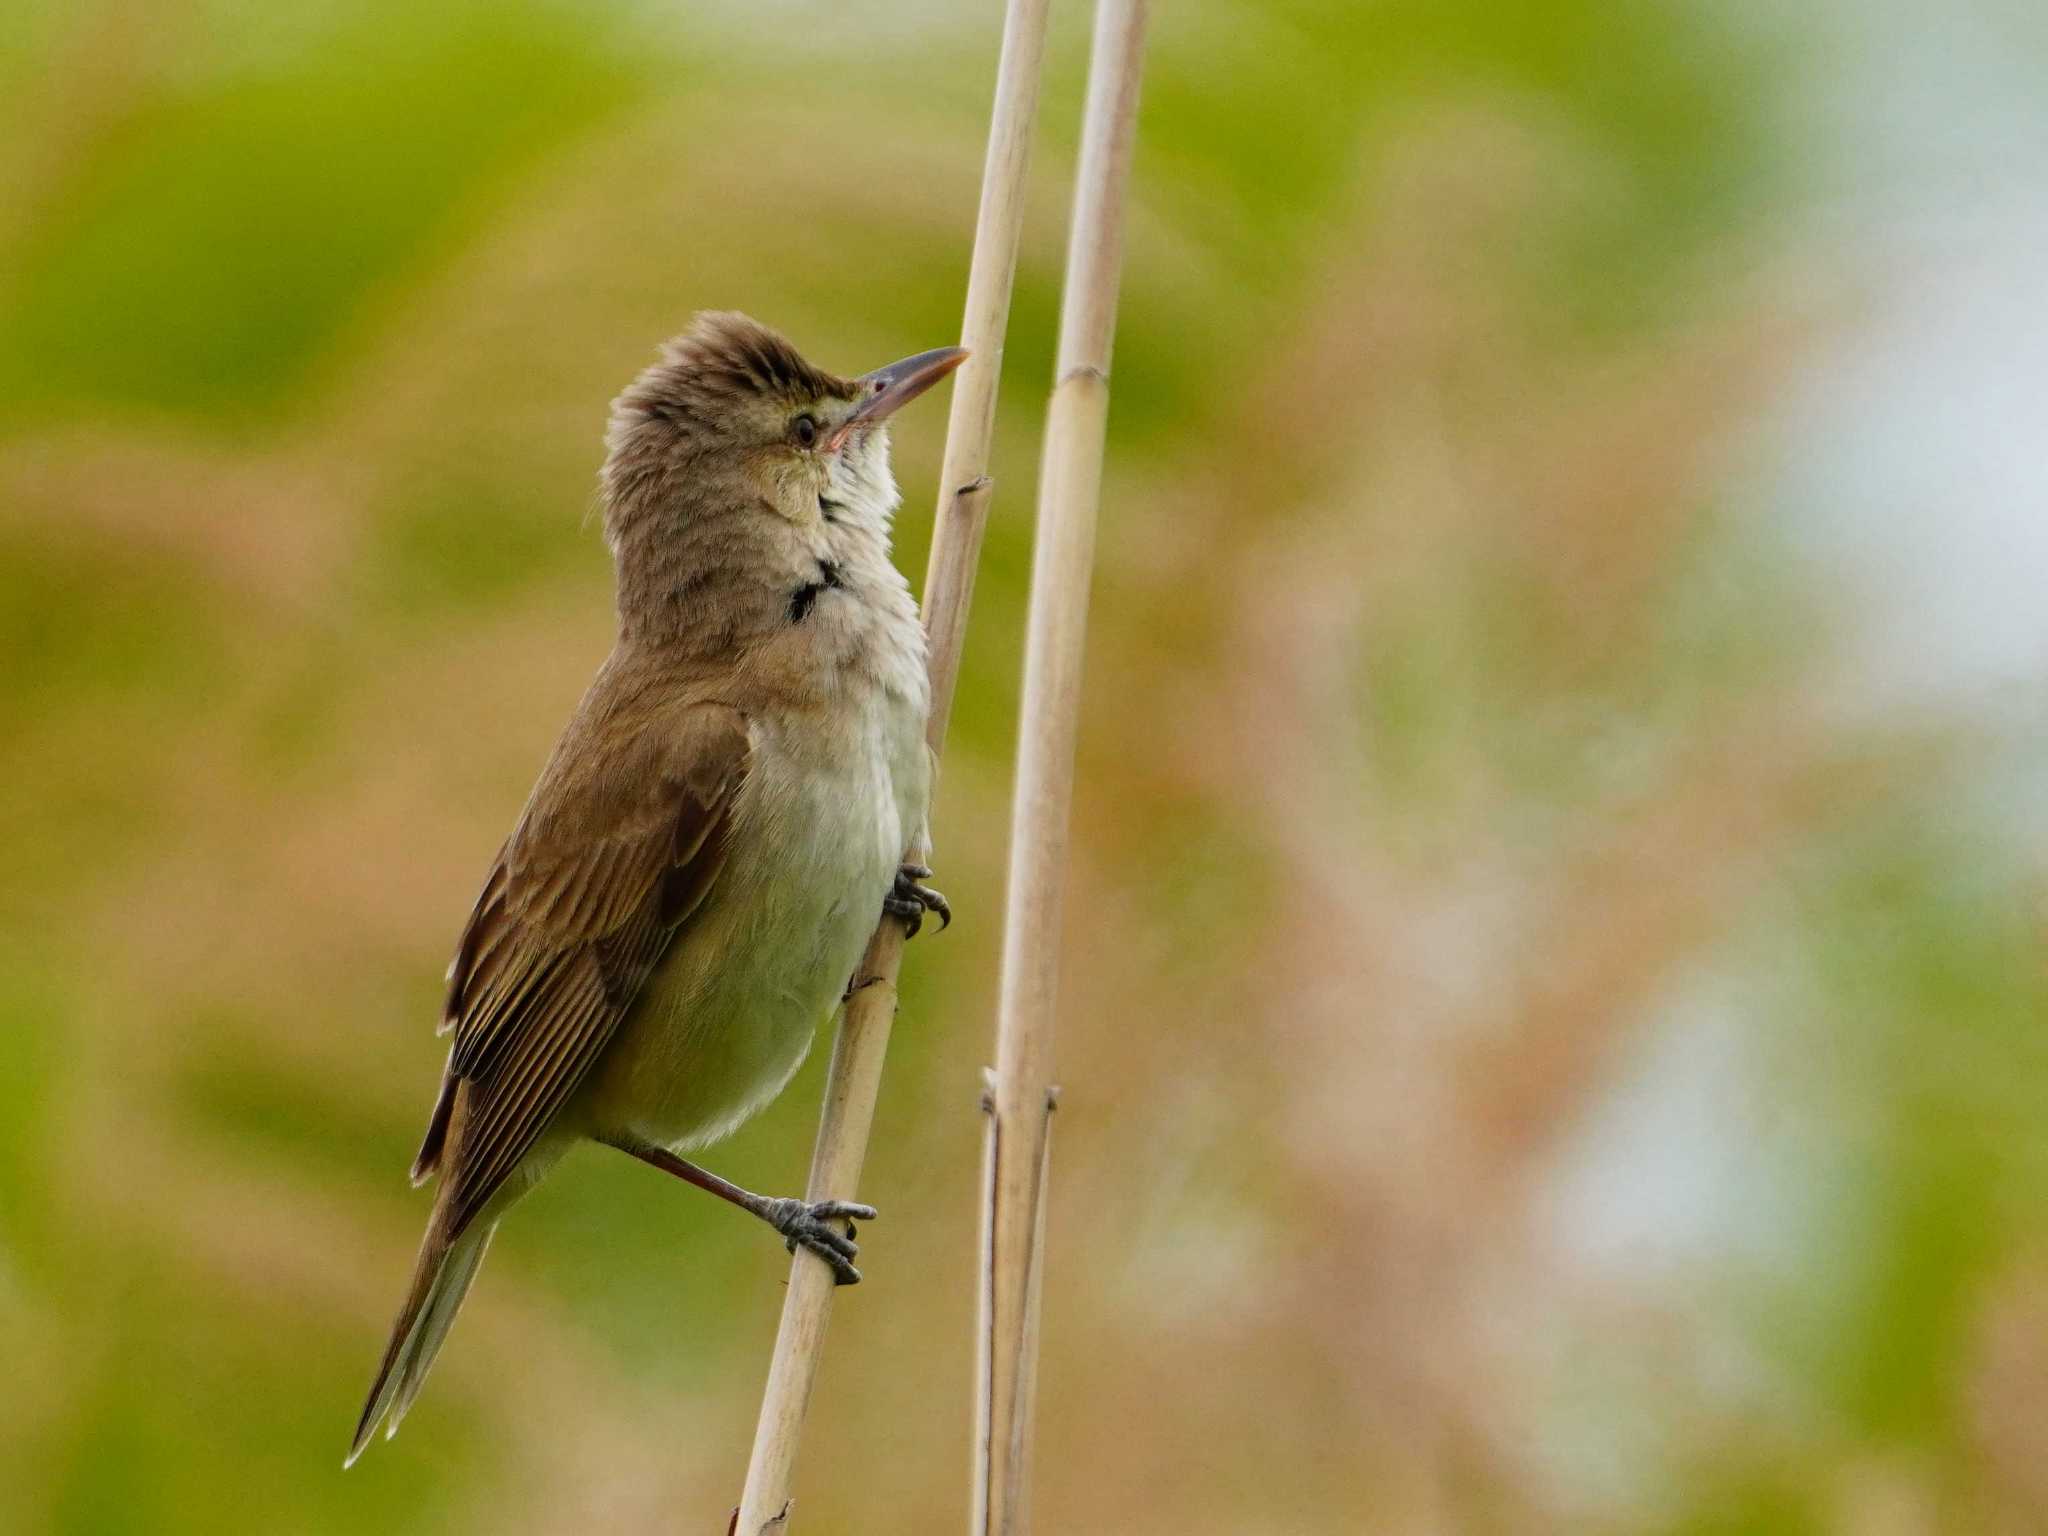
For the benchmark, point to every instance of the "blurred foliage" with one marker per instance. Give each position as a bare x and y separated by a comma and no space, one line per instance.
1449,728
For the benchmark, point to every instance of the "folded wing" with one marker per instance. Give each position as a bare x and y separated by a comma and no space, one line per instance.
610,861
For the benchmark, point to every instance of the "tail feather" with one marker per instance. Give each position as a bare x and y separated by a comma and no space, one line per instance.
440,1280
441,1308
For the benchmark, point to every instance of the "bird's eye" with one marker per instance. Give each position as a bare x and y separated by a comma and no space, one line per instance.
805,430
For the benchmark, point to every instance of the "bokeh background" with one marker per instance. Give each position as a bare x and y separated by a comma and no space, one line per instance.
1553,1021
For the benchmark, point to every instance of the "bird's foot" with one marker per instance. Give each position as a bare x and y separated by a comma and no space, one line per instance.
810,1226
910,901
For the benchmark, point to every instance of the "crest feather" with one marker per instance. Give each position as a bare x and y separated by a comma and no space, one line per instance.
723,346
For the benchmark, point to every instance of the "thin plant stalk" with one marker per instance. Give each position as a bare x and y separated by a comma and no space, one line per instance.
853,1081
1070,487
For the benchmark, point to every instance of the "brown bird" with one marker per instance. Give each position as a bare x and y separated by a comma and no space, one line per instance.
694,877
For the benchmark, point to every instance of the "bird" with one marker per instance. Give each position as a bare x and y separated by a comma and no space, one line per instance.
687,893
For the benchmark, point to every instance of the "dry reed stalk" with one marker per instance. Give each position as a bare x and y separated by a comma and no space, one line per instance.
1070,487
854,1078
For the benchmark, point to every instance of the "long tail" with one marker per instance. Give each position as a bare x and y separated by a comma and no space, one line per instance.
439,1282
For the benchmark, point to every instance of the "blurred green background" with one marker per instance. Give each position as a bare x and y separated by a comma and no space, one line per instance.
1553,999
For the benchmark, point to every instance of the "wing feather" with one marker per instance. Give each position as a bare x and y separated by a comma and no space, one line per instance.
610,860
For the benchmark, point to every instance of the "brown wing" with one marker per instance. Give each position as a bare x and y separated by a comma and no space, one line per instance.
610,859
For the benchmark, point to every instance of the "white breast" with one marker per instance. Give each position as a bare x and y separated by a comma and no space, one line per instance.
828,807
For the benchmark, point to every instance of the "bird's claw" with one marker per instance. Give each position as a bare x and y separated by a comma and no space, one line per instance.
810,1226
910,901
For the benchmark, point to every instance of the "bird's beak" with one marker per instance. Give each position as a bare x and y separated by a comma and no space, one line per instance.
886,389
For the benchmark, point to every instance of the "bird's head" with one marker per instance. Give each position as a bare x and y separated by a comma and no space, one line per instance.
733,408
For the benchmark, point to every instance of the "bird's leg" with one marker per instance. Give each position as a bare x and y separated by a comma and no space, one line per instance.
805,1224
910,901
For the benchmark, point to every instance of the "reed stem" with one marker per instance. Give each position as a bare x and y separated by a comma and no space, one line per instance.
853,1081
1070,486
